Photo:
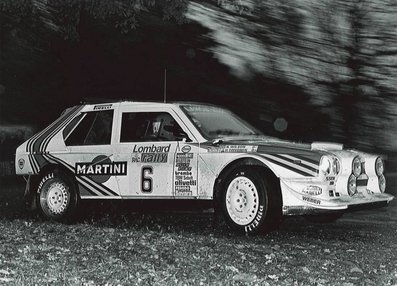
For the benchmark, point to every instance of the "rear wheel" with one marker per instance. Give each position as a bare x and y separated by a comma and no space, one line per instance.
248,201
56,197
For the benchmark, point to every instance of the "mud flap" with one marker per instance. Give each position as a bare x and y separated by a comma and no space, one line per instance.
29,197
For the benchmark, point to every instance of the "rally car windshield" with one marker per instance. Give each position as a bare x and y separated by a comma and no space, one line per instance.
214,122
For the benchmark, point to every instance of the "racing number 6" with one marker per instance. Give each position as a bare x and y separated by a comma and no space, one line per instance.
146,179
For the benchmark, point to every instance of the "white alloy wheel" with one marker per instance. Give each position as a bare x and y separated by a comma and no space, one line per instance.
242,200
55,199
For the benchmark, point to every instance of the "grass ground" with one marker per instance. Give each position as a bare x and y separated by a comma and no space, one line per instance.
111,246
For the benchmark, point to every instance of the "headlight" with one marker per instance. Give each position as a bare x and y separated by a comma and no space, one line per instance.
382,183
351,185
356,166
379,166
336,166
325,165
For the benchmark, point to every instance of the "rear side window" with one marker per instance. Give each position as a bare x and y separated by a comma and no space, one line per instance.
71,126
94,129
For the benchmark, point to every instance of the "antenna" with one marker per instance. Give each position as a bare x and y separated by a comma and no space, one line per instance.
165,85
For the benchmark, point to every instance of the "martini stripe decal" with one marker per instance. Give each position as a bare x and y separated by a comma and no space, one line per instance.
39,142
92,189
290,166
88,181
310,160
47,139
43,146
299,162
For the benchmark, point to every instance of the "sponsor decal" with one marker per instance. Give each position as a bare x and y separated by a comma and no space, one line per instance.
311,200
103,107
184,178
255,223
186,149
152,149
154,157
312,190
151,154
183,192
330,178
46,178
183,161
186,183
21,163
101,169
136,158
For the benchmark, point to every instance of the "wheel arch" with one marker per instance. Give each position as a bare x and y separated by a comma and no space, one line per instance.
50,167
273,214
246,161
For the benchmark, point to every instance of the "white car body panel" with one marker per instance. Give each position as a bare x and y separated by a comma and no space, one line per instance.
189,170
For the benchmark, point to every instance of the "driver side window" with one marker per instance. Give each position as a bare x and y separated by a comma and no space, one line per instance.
149,126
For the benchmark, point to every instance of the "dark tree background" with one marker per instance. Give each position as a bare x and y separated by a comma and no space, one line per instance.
298,70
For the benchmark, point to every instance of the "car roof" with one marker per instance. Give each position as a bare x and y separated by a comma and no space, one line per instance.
148,103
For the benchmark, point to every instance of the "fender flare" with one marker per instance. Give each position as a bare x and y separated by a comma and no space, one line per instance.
34,181
245,160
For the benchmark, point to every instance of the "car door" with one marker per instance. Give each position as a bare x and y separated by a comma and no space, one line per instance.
90,154
150,142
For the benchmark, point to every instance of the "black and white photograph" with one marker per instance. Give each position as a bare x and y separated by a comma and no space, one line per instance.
184,142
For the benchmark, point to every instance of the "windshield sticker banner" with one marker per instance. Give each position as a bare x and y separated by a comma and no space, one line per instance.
233,149
200,108
151,153
184,179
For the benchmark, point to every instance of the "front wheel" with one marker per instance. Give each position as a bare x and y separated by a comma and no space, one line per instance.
248,201
56,197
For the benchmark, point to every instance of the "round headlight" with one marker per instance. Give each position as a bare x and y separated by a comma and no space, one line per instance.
351,185
336,166
325,165
379,166
356,166
382,183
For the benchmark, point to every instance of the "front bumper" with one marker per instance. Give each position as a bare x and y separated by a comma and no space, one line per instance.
297,203
342,205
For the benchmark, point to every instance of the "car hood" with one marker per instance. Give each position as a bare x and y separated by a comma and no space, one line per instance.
273,146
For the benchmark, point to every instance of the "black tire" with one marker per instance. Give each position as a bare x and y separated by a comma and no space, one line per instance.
57,198
249,201
324,218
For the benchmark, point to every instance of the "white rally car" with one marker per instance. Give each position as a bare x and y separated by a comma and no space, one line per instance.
191,151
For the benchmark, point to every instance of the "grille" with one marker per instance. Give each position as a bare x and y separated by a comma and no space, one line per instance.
362,167
362,180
